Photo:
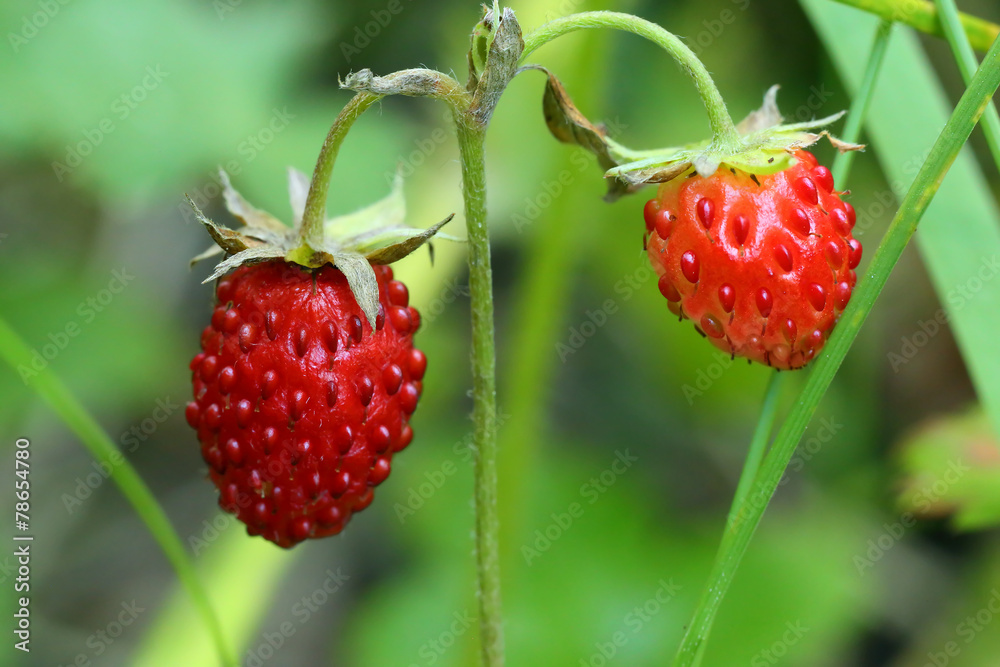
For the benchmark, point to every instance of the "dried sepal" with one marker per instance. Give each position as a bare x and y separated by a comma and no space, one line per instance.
570,126
361,279
503,50
765,117
210,252
231,242
246,212
374,234
244,258
407,241
766,146
416,82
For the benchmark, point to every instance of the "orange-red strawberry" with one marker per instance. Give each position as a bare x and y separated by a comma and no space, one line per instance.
763,265
299,405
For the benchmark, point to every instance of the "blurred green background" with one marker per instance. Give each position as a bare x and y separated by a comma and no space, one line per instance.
110,111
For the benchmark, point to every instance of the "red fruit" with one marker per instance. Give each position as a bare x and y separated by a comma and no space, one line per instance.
299,407
763,265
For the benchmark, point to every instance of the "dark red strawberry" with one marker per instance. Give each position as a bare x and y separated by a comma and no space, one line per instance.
299,405
763,265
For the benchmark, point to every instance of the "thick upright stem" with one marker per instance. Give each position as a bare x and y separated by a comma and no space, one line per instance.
722,123
471,138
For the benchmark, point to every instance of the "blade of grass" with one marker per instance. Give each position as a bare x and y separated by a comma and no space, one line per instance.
17,353
923,16
841,170
227,564
904,225
759,442
862,102
965,57
960,239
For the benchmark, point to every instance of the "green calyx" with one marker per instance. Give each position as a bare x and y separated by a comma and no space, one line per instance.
376,234
762,146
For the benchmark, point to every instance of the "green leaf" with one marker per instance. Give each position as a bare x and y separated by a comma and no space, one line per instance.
951,466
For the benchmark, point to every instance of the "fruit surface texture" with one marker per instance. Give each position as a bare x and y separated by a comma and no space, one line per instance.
763,265
299,405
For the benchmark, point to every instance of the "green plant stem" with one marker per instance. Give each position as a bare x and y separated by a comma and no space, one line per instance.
923,16
861,102
723,127
470,124
18,355
759,442
471,141
315,210
902,228
965,57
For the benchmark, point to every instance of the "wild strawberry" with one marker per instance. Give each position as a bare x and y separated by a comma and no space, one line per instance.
307,376
763,265
298,405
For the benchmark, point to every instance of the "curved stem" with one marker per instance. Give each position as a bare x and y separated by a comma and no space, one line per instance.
904,224
718,115
924,17
471,139
16,352
370,89
315,210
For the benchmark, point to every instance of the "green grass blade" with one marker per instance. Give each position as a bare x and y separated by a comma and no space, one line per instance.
759,441
965,57
862,102
16,353
904,225
227,564
960,236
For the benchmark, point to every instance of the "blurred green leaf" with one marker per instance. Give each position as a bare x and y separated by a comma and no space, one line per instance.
951,466
129,96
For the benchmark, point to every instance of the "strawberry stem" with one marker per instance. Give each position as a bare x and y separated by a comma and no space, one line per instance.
726,136
315,210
